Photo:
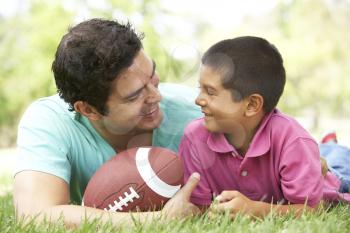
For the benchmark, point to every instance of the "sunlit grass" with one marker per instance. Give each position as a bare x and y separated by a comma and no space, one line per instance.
335,219
5,184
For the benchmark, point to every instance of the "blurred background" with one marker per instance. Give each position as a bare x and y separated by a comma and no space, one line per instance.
313,36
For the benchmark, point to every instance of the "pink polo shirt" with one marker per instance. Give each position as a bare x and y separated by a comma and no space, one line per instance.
281,165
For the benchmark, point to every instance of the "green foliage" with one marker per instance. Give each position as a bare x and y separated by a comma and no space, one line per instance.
315,50
28,42
312,36
27,46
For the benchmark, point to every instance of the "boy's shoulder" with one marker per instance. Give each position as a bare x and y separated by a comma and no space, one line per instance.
281,124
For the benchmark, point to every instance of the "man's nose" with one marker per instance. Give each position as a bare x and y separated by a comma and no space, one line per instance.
153,94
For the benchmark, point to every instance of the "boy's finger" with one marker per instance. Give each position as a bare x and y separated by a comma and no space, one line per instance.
227,196
220,208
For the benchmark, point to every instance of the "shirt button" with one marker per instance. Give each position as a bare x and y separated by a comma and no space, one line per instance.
244,173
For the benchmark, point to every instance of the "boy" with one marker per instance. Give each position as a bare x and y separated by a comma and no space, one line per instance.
250,156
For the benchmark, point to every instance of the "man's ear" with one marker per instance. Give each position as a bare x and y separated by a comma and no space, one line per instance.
255,103
87,110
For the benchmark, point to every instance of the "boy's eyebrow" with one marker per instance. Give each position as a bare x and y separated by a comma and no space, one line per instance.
208,86
135,93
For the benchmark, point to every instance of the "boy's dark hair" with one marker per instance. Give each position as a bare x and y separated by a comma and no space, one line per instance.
249,65
89,58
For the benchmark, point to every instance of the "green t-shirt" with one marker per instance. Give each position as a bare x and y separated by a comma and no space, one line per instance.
54,140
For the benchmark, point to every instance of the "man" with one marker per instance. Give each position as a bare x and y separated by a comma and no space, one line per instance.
108,101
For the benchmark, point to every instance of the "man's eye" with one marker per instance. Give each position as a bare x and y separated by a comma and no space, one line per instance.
133,98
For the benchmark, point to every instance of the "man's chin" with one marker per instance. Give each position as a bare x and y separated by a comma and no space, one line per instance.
150,124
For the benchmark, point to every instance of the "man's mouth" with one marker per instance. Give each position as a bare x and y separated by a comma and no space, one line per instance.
151,112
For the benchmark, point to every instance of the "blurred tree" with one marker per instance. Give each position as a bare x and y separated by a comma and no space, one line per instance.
27,45
312,36
28,41
315,46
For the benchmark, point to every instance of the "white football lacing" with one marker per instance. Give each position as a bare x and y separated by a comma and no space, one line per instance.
118,205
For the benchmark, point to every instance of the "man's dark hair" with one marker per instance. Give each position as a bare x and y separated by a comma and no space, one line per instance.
249,65
89,58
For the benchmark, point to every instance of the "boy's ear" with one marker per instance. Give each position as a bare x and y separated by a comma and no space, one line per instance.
255,103
87,110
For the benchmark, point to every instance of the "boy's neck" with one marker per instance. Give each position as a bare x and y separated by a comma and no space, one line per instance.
239,142
241,139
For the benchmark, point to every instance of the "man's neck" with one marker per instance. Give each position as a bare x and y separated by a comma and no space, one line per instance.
120,142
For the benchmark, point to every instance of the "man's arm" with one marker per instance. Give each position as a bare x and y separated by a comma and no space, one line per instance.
41,195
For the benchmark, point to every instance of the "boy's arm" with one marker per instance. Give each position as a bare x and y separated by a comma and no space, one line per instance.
235,202
40,195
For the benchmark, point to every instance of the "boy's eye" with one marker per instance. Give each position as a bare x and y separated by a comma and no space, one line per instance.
210,91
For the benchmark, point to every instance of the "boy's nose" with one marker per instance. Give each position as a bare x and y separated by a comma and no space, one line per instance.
200,101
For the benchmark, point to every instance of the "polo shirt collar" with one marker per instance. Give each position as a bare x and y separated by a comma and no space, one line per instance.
260,144
218,143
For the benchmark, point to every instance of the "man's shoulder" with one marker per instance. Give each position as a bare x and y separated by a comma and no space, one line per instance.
48,107
54,102
178,102
47,113
178,91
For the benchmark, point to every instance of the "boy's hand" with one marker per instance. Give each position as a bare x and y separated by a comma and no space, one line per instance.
180,206
324,166
232,202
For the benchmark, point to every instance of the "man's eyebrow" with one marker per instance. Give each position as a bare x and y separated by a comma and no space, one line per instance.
135,93
154,65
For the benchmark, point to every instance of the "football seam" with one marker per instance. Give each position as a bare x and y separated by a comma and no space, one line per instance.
127,185
161,170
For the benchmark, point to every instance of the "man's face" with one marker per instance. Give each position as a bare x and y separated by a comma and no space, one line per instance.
133,105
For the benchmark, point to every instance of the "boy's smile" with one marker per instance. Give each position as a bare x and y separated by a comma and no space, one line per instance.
221,112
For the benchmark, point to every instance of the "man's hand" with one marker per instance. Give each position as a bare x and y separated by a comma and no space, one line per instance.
180,206
232,202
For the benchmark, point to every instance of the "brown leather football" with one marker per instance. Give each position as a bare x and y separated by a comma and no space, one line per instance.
138,179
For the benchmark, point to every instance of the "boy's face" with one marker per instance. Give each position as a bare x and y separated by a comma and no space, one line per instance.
133,105
221,113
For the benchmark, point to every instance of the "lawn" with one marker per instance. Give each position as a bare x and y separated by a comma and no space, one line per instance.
335,219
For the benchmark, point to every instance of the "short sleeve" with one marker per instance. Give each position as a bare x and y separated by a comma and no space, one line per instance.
202,195
42,142
300,172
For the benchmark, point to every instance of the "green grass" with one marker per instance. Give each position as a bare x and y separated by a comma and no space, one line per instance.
335,219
